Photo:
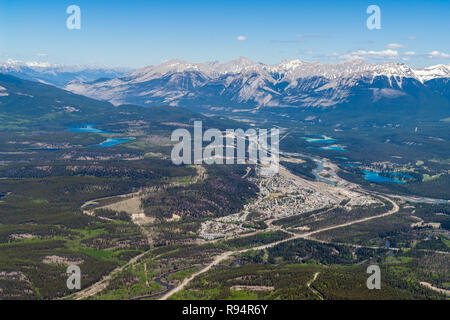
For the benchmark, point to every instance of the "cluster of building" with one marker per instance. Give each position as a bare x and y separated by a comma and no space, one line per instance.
279,197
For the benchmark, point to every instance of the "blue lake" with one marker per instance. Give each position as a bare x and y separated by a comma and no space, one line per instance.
319,139
334,148
88,128
330,148
111,143
389,177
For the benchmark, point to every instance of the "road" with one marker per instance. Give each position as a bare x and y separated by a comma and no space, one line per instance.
186,281
430,286
100,285
312,289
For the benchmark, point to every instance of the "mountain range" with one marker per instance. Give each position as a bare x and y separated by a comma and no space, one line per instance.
245,84
58,75
29,105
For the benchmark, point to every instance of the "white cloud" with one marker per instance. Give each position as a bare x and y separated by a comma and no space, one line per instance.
410,53
412,38
395,46
241,38
350,56
438,54
41,55
387,52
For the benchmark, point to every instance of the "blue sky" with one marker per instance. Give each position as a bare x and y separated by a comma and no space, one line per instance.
139,33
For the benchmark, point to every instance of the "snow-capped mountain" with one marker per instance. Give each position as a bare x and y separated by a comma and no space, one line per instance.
244,83
437,78
434,72
57,75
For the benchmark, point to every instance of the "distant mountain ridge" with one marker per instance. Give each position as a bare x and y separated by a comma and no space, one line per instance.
291,83
28,105
58,75
24,98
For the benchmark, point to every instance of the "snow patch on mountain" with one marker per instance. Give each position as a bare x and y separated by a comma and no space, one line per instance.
433,72
386,93
3,92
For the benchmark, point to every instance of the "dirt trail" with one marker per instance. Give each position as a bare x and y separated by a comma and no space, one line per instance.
186,281
317,293
102,284
247,173
430,286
